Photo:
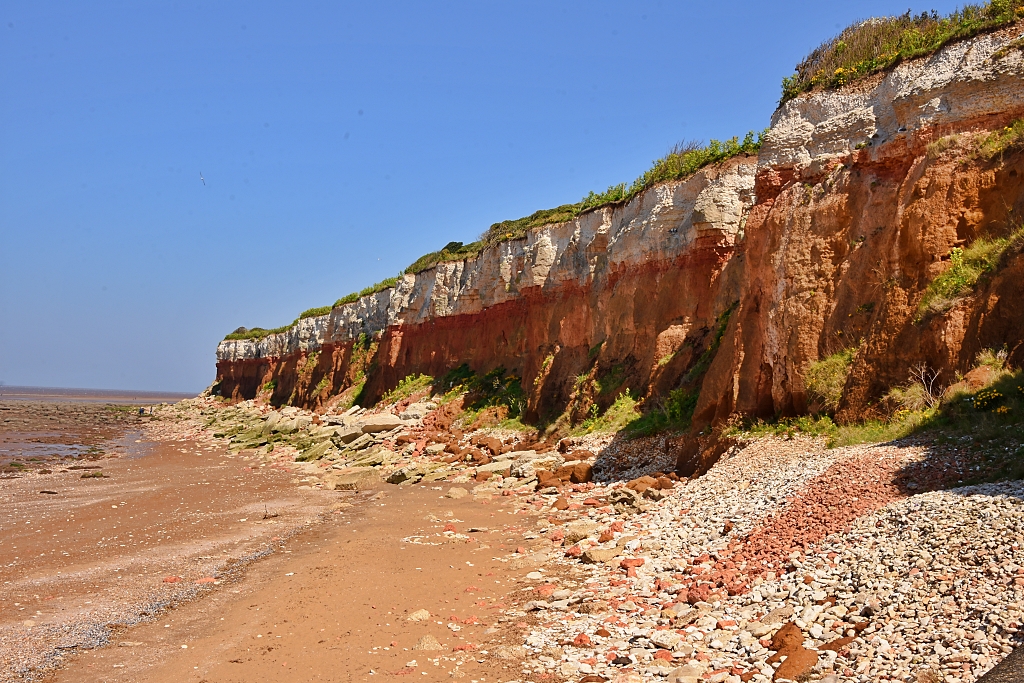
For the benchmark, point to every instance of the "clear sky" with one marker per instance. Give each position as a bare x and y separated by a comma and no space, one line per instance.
339,142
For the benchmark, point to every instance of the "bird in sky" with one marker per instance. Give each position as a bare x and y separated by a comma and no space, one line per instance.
202,178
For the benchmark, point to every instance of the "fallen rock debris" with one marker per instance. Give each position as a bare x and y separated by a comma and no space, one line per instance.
785,561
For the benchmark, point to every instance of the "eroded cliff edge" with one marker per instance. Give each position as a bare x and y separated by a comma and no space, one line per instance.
827,240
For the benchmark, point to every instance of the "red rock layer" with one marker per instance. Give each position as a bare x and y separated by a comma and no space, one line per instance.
625,321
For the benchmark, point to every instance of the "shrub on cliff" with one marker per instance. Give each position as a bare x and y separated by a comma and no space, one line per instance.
966,267
826,378
879,44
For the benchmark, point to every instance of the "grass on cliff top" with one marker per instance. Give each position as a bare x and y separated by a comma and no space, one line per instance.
879,44
682,161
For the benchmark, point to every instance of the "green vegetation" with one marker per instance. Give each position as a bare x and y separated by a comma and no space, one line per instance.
269,386
313,312
453,251
682,161
496,389
826,378
407,387
879,44
1000,141
967,266
619,416
991,419
386,283
257,332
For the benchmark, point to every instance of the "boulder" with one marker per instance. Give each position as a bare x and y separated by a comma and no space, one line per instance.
381,422
600,555
346,435
352,479
417,411
577,531
525,466
316,451
494,467
428,643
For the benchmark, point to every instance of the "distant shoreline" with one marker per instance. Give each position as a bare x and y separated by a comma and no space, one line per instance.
67,394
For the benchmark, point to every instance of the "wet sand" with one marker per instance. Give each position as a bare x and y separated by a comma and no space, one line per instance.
79,552
334,606
121,397
181,543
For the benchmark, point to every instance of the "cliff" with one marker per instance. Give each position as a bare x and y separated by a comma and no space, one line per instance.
732,281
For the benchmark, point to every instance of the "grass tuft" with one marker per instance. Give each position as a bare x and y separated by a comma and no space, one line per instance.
406,388
879,44
826,378
967,266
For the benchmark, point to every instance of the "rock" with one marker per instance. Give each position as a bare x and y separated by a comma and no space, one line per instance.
315,452
419,615
427,642
788,642
777,616
434,448
417,411
666,639
352,479
456,492
376,456
346,435
381,422
510,652
684,674
625,497
526,463
495,467
410,474
577,531
600,555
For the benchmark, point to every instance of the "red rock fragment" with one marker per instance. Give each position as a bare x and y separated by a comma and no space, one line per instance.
172,579
560,504
788,642
632,562
582,640
450,527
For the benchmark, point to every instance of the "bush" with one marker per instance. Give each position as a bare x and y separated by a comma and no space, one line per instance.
407,387
826,378
453,251
966,267
998,142
314,312
879,44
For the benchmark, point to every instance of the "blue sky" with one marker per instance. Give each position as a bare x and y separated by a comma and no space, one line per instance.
339,142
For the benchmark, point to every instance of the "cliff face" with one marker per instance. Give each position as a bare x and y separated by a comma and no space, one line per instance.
617,289
856,214
827,240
